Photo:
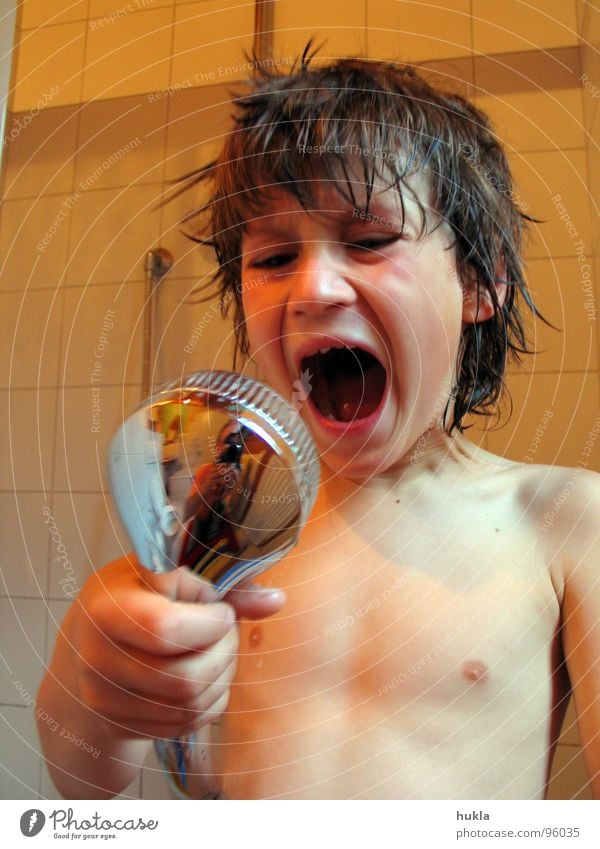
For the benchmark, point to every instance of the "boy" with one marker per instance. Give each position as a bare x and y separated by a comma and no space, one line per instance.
432,632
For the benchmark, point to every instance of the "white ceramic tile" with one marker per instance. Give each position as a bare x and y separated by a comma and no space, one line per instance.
154,784
57,610
24,552
33,241
92,535
81,456
30,333
111,234
102,334
56,613
27,447
21,761
22,641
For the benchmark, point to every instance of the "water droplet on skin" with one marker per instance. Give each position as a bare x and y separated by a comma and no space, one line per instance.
255,638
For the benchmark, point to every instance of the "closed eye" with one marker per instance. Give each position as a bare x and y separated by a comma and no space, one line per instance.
374,244
274,261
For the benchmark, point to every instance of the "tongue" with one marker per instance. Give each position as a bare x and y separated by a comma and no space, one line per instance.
347,384
356,394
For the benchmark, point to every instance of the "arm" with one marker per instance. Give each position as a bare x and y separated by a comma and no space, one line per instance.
581,616
79,773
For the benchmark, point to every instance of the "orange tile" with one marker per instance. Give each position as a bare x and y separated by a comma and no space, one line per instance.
106,129
564,295
554,184
533,98
33,241
569,779
199,119
572,399
49,66
209,43
340,28
40,152
30,338
115,10
109,316
128,57
514,25
111,234
36,13
412,31
27,450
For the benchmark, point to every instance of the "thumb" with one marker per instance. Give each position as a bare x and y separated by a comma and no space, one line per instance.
252,601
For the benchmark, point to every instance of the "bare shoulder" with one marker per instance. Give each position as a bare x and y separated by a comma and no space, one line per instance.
560,506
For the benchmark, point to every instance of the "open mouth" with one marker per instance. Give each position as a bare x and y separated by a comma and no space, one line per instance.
344,383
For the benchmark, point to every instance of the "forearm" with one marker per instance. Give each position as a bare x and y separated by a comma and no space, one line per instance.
86,758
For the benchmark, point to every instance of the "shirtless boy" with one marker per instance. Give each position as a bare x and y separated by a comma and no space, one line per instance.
429,630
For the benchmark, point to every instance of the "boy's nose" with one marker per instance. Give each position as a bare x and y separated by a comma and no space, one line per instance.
319,286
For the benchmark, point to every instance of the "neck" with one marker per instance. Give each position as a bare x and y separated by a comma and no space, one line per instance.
435,451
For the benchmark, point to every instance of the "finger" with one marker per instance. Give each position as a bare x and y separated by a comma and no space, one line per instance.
180,584
149,621
180,678
252,601
118,705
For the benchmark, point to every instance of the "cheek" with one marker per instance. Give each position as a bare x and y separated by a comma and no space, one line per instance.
263,326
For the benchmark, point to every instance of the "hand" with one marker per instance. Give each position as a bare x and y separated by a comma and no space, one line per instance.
156,654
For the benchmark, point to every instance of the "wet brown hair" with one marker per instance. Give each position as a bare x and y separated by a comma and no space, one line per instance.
404,125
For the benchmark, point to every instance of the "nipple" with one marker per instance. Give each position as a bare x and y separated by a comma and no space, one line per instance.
474,671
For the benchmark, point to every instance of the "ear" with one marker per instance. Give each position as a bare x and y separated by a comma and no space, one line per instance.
477,301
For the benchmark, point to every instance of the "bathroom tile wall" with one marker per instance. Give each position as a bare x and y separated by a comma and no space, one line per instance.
134,99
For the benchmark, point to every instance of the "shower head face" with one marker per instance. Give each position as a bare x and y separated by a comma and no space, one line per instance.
217,473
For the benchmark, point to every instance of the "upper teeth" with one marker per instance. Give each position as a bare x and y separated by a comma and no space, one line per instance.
324,350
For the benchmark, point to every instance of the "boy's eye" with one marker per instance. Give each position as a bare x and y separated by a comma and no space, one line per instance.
274,261
375,243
